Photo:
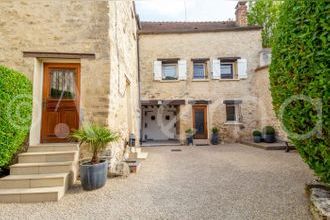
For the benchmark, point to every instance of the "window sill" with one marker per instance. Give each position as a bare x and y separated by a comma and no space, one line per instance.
200,80
169,81
233,123
229,79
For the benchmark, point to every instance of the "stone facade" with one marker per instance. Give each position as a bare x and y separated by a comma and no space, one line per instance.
109,89
256,108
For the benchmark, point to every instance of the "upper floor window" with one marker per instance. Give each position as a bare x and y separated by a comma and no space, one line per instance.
169,71
199,70
227,70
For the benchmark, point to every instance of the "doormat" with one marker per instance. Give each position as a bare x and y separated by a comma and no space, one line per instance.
176,150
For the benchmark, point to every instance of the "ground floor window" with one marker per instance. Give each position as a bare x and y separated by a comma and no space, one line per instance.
233,113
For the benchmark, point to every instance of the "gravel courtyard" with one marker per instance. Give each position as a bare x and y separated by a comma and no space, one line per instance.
208,182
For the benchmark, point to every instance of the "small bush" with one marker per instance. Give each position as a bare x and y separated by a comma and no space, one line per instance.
15,114
256,133
215,130
189,131
269,130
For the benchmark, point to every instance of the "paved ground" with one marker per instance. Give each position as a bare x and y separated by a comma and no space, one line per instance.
214,182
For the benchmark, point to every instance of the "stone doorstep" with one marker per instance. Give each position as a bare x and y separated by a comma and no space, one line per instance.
44,157
45,194
134,166
34,181
53,147
201,142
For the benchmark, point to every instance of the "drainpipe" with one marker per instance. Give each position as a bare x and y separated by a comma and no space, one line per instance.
139,81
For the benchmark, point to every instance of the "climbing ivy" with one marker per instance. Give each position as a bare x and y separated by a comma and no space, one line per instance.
300,79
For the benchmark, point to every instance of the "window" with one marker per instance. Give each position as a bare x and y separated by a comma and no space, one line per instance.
199,70
231,112
227,71
169,71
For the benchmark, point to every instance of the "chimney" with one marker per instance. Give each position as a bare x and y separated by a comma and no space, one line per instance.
241,13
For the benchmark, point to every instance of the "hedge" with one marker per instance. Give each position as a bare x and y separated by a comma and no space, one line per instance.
15,112
300,78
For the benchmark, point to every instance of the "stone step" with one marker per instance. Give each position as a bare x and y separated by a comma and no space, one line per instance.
34,181
26,195
201,142
44,157
53,147
41,168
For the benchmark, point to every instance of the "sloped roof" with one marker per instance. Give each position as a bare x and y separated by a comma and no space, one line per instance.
148,27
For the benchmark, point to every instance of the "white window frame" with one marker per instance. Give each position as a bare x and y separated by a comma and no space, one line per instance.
176,70
204,67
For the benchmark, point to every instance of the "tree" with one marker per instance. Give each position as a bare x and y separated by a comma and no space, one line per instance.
300,79
265,14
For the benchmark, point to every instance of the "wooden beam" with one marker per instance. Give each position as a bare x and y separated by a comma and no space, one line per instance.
163,102
59,55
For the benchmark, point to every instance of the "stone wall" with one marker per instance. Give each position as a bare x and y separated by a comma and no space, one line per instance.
265,112
106,28
124,112
244,44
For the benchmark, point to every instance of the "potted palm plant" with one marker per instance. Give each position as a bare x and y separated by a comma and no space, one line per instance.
189,136
93,173
215,136
256,136
269,134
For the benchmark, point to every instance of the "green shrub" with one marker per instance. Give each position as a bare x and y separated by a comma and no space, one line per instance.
269,130
300,71
256,133
97,138
215,130
15,114
189,131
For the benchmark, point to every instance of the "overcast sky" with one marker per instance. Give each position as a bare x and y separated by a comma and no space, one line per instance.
196,10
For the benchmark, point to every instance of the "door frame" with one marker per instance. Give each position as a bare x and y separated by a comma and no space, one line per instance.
204,107
45,92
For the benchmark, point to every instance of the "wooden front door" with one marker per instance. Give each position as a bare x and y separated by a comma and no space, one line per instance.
60,103
200,121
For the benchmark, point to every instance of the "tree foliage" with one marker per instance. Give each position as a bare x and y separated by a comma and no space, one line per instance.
300,70
15,112
265,14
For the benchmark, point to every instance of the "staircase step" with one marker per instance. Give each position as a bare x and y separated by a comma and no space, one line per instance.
34,181
53,147
26,195
41,168
43,157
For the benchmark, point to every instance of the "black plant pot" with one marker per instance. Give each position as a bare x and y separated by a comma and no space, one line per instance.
215,139
189,139
257,139
269,138
93,176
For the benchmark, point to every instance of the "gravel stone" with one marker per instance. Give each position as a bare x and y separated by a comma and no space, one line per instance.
229,181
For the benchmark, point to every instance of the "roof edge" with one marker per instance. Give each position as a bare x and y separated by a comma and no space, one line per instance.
246,28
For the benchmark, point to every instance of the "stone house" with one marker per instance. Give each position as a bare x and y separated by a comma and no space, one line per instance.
95,62
82,60
202,75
